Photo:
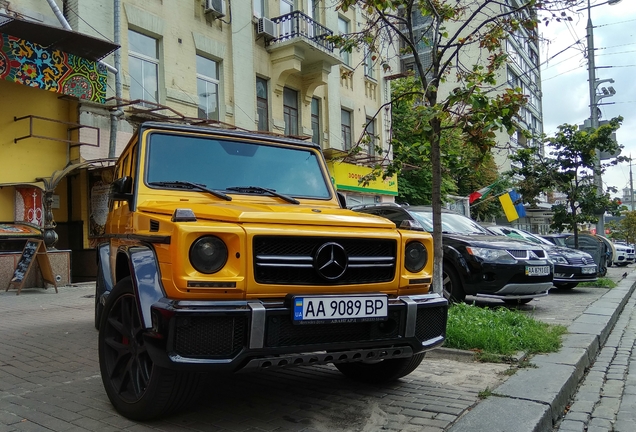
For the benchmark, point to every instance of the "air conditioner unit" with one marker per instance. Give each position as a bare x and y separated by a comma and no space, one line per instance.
266,28
216,8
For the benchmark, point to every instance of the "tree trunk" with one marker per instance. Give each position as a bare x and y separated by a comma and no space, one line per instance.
436,196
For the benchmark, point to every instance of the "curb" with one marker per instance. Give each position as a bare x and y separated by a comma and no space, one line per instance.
532,400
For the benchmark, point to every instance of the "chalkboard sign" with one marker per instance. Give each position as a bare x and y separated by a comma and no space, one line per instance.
33,249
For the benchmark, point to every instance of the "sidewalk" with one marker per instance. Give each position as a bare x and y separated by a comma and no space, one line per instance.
534,398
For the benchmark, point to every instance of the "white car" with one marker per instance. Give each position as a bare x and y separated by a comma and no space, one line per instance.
624,254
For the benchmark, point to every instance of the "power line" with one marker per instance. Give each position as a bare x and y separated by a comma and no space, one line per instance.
611,24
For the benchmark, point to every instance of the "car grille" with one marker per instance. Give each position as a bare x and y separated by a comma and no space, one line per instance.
525,254
282,332
290,260
210,337
579,261
431,322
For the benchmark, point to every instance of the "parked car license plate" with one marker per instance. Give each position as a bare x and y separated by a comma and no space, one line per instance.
537,270
588,270
333,309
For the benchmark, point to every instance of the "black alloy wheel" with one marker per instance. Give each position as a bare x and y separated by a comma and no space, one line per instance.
137,388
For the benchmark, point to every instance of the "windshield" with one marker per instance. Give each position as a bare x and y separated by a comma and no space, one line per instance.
451,223
520,234
222,164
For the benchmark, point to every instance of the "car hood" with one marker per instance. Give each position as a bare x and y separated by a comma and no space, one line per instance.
244,213
491,241
569,252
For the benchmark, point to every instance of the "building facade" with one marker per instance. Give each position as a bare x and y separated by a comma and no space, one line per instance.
253,64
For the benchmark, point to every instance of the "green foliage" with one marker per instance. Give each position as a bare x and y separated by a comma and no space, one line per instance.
602,282
486,393
569,168
625,229
474,106
499,331
465,167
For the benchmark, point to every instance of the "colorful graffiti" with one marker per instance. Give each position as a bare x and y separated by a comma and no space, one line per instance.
33,65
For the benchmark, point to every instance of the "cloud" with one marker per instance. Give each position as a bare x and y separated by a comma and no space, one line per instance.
565,77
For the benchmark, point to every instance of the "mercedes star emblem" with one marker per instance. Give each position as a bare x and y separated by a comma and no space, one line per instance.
331,261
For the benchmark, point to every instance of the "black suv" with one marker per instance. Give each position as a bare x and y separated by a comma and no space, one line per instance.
477,262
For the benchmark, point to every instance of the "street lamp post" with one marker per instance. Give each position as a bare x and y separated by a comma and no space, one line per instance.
594,98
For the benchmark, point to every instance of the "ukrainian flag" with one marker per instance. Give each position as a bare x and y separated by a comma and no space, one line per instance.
513,211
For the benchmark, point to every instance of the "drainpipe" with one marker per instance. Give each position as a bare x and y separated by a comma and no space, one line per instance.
115,115
60,17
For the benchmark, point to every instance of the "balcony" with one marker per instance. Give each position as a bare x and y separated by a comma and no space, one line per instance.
300,47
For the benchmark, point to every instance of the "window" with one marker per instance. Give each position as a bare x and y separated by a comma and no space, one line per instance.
343,28
285,27
143,67
513,79
346,128
290,111
368,63
208,88
315,121
262,105
370,132
259,8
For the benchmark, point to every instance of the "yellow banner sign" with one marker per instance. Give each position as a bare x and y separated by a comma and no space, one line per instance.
347,177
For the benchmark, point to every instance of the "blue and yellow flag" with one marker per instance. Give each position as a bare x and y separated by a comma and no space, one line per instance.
513,211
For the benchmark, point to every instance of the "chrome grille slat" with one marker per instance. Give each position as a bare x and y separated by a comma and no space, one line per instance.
290,260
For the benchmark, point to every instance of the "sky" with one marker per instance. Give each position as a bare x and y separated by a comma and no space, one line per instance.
565,76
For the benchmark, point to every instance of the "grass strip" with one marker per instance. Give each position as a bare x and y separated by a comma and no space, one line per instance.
602,282
499,331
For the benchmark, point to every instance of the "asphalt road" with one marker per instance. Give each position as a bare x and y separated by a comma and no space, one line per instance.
49,379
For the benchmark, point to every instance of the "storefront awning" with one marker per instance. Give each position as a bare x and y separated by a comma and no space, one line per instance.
71,42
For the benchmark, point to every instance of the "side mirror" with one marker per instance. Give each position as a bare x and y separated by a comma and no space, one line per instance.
342,200
121,189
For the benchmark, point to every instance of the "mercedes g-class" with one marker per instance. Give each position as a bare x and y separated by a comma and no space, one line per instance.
231,251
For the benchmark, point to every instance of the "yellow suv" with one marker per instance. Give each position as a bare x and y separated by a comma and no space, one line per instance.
231,251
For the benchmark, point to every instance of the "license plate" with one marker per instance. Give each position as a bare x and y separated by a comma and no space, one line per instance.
339,309
588,270
537,270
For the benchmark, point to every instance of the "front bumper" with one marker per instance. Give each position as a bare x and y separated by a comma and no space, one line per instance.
569,273
507,281
228,336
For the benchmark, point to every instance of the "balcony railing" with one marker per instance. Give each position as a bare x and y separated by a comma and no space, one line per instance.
298,25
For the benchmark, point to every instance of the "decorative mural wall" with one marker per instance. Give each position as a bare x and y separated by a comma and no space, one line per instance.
33,65
28,205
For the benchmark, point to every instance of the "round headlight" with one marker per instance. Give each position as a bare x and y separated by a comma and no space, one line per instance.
415,257
208,254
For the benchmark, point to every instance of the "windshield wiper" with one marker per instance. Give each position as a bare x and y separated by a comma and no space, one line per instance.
190,185
258,189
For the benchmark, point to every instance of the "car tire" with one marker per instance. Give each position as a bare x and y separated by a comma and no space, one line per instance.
517,302
568,285
137,388
382,371
453,289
